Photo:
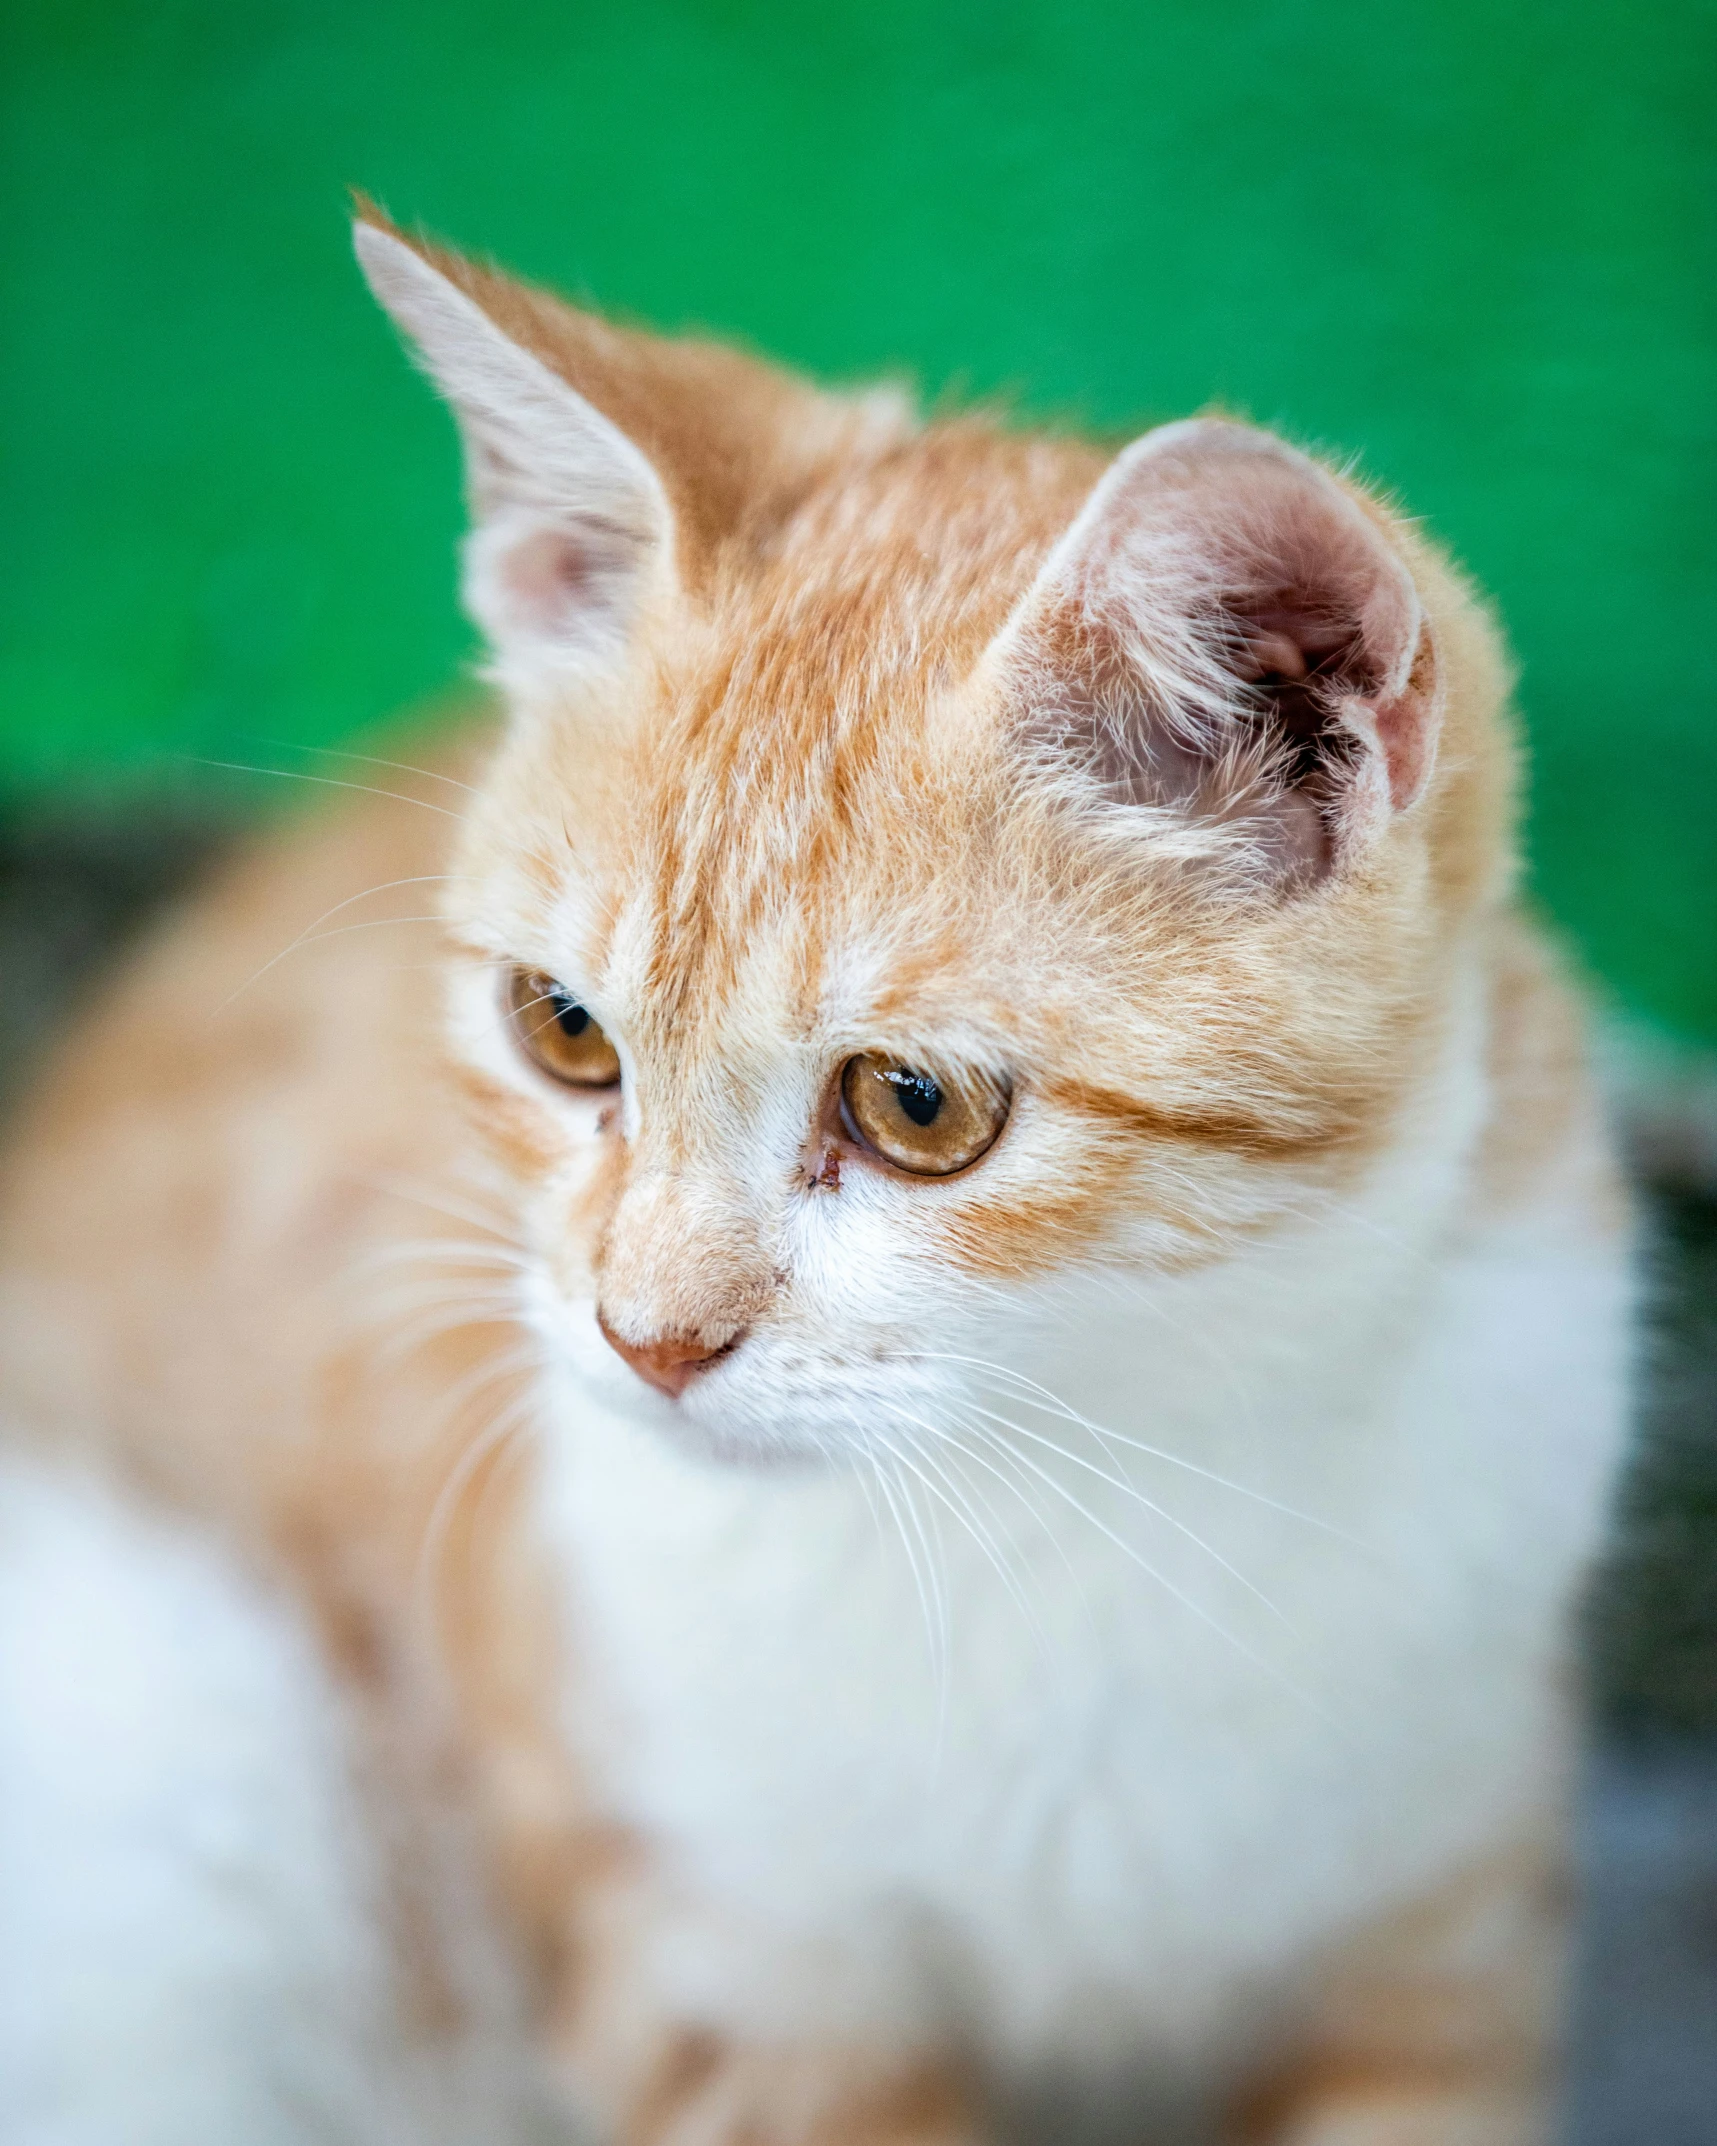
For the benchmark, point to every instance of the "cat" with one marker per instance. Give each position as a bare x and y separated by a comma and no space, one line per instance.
896,1450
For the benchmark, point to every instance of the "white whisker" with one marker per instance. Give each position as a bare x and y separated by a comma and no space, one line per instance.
331,782
439,1251
1179,1594
400,767
969,1519
894,1497
513,1418
405,1188
1023,1491
1120,1483
1041,1395
307,937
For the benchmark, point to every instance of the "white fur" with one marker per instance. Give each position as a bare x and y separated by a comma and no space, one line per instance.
553,484
1083,1824
192,1951
1101,1828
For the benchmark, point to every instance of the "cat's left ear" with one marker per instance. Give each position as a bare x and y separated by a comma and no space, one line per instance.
1228,634
572,535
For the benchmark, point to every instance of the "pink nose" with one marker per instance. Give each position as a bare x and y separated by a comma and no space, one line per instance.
670,1362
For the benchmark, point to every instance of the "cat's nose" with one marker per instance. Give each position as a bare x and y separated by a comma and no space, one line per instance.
669,1362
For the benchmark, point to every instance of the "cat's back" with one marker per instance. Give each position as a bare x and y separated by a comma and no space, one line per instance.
218,1468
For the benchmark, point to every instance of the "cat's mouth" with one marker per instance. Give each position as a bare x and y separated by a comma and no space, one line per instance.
759,1398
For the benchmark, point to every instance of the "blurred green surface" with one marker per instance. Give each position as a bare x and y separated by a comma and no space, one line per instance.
1473,243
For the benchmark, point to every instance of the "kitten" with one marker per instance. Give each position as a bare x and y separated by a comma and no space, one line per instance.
906,1464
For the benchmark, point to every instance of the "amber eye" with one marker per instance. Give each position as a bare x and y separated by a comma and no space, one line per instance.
916,1121
555,1032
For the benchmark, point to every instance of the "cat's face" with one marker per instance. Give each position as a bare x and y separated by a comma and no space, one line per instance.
922,868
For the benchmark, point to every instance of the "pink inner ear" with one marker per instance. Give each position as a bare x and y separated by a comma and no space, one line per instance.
1355,621
1320,617
551,575
1404,708
1333,678
1225,630
1402,738
567,581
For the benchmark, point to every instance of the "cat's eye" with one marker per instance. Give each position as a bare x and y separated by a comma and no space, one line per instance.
928,1124
558,1034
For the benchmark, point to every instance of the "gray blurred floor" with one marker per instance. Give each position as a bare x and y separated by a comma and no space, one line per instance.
1645,2010
1644,2037
1645,2000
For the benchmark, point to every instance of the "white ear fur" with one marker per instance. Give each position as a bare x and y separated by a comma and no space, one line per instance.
1214,567
571,527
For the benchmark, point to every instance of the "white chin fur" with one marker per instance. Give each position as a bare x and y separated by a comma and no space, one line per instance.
771,1404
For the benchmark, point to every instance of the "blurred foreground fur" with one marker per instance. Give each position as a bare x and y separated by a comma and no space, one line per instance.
562,1576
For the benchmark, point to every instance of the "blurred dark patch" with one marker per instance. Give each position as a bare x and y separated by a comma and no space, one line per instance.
1644,2041
1652,1628
77,881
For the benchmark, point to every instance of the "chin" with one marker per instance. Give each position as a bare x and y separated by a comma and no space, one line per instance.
749,1416
738,1437
771,1407
732,1417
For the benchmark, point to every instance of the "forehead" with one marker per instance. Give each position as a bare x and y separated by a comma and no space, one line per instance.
786,859
789,811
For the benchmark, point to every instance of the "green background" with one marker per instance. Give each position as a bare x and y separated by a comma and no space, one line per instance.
1473,243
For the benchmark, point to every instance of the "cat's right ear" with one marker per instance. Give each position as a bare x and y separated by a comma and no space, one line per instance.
572,535
1227,637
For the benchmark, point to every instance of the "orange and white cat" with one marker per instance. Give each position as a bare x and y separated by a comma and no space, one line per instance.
900,1458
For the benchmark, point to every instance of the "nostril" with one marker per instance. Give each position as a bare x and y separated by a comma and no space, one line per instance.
669,1362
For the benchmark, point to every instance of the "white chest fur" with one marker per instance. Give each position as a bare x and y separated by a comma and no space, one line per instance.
1114,1795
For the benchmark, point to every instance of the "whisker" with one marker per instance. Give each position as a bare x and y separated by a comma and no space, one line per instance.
400,767
911,1466
405,1188
963,1511
1022,1490
407,1340
429,1290
435,1251
512,1419
1186,1601
1120,1483
331,782
392,1270
321,938
1042,1397
864,1484
307,936
893,1496
936,1566
492,1369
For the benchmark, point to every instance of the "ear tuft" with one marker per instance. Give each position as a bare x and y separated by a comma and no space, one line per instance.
1227,633
571,525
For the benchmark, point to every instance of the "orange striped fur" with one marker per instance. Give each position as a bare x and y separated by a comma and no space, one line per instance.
816,742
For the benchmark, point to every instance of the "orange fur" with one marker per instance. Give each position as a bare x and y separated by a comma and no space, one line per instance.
1436,2026
808,746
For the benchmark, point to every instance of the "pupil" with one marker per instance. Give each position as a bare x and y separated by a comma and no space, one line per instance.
571,1016
917,1094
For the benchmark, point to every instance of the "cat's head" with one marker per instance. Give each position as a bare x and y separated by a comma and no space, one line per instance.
925,863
